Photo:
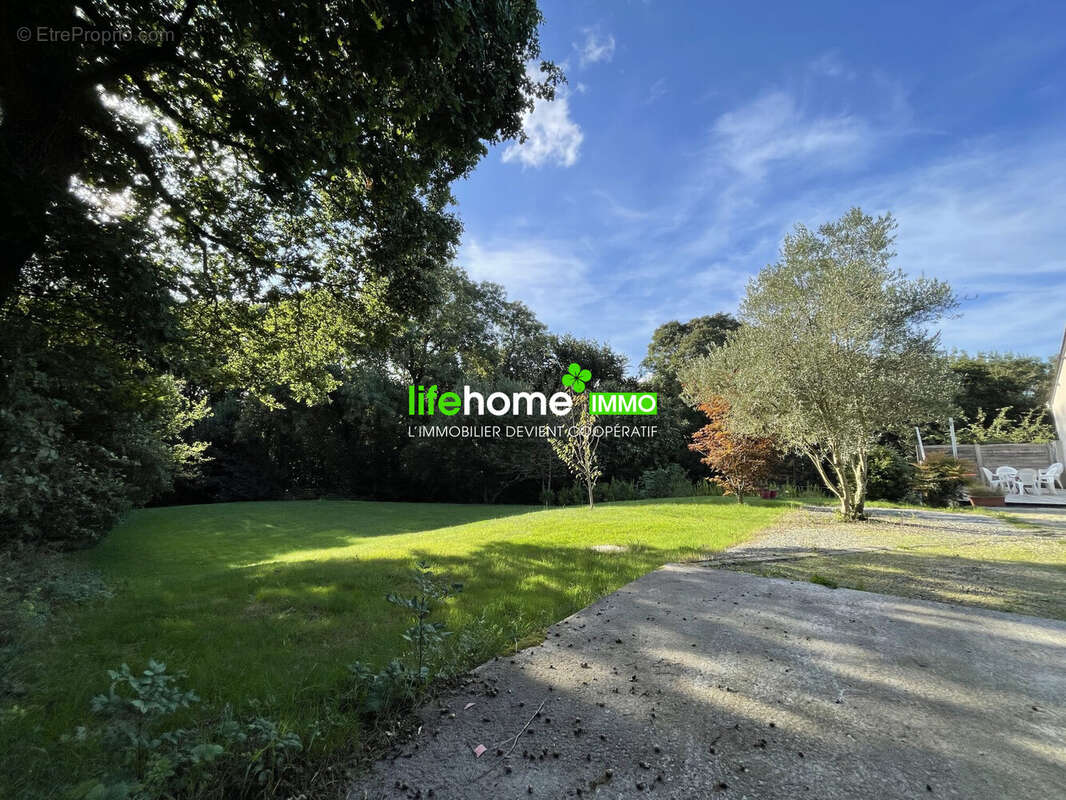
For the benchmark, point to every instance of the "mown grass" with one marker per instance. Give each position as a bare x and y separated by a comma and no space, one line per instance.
269,602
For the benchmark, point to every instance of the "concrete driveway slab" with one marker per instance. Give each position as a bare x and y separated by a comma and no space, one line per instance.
694,682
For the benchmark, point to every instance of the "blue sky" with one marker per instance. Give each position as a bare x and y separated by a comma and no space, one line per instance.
692,136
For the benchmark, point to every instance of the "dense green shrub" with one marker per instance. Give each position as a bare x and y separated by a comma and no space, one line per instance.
620,490
1033,426
83,437
572,495
668,481
889,474
706,488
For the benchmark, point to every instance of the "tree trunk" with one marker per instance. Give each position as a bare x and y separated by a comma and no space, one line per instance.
42,139
588,485
859,470
851,512
844,489
817,460
852,497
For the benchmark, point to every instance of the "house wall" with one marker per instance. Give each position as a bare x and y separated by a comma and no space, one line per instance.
1058,394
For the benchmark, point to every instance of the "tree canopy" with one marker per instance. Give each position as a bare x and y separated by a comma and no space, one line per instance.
280,145
236,202
740,462
834,348
991,381
674,344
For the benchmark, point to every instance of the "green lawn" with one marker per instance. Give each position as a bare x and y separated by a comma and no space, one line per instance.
270,601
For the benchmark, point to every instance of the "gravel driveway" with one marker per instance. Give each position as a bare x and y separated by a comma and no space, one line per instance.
1014,561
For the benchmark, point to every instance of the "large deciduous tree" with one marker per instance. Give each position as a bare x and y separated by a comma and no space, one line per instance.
245,195
990,381
674,344
282,144
834,348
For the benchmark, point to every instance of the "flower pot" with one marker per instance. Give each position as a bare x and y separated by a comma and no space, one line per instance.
998,500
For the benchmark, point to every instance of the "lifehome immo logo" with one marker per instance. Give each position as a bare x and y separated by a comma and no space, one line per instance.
427,401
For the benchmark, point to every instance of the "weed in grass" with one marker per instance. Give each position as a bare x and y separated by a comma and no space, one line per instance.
822,580
399,686
139,756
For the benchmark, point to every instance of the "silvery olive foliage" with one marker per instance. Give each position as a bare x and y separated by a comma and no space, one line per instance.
836,346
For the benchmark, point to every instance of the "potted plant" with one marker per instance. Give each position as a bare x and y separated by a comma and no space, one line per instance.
981,495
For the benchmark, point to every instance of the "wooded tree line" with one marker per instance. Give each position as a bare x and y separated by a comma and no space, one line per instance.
355,442
228,250
838,355
246,204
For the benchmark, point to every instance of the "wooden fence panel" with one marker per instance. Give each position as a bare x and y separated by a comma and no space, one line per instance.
1019,456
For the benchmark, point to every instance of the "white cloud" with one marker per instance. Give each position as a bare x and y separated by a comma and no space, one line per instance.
989,221
773,129
552,136
551,277
657,90
595,48
984,215
829,65
986,218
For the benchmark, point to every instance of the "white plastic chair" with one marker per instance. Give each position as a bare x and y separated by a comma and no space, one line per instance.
992,480
1050,477
1008,477
1028,479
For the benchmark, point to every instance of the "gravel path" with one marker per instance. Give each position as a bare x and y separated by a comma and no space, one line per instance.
813,531
1014,561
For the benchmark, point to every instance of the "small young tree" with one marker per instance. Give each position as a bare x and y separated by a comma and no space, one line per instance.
577,449
834,348
741,462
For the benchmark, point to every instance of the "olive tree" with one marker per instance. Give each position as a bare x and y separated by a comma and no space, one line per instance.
835,347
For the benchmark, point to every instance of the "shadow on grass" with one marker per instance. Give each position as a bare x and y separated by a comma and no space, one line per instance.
283,633
210,590
235,534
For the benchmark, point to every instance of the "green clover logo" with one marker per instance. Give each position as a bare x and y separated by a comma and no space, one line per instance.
576,378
